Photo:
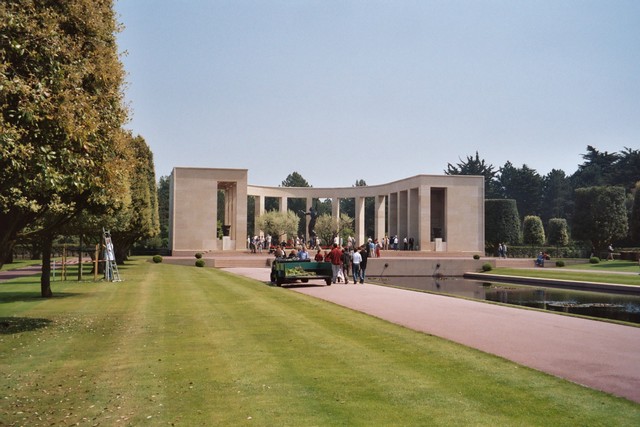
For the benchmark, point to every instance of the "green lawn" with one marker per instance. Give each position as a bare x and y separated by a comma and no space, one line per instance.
604,272
187,346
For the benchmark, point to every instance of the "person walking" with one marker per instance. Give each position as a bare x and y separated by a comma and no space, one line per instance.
346,264
363,265
334,258
356,259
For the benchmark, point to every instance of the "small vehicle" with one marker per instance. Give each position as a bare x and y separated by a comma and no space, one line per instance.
291,270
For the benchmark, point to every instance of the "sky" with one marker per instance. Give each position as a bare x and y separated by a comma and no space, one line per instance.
340,91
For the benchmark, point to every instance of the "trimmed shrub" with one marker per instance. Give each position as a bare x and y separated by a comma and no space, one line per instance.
559,263
502,222
594,260
476,256
532,231
157,259
198,255
486,267
199,263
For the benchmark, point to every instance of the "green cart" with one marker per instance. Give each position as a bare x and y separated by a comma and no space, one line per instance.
290,271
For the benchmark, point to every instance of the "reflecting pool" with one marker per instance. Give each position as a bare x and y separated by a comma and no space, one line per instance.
595,304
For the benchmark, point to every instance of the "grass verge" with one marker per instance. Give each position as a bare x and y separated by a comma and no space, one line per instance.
599,276
175,345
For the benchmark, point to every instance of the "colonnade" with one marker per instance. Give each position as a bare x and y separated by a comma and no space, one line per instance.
441,213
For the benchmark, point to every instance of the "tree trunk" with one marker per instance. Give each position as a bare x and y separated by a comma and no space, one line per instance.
45,278
80,260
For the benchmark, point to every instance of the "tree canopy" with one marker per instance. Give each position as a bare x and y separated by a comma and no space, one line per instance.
61,145
601,215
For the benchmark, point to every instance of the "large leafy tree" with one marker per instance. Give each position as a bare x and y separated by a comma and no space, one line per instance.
600,215
278,224
634,220
599,168
557,196
139,219
476,166
294,179
627,170
524,185
502,222
163,209
61,111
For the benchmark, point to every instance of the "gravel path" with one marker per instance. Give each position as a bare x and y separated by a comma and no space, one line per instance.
599,355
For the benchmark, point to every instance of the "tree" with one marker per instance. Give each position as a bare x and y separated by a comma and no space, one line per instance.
598,169
476,166
627,169
634,221
502,222
600,215
163,209
557,196
558,233
139,219
294,179
524,185
532,231
278,224
326,229
61,112
296,205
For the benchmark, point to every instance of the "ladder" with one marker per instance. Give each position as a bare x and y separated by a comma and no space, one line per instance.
110,267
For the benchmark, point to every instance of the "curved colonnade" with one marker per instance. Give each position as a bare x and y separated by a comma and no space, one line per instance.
442,213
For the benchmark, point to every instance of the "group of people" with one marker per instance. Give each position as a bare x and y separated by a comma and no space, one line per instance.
345,261
502,250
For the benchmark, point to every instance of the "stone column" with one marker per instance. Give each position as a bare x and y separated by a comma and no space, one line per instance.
424,228
379,217
335,212
360,231
258,211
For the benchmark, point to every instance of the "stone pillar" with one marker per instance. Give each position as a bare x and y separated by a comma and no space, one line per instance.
403,216
335,212
379,224
393,214
360,237
424,228
258,211
413,212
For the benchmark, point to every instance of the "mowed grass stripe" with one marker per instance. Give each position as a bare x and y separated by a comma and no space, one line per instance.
188,346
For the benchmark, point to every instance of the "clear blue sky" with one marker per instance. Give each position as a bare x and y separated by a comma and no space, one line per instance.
380,90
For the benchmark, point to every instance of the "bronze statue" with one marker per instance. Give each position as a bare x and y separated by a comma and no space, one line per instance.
313,214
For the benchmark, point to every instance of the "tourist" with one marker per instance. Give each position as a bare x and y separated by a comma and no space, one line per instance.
346,264
363,265
303,254
356,259
334,257
319,257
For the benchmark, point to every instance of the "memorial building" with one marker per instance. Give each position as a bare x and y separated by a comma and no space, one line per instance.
442,213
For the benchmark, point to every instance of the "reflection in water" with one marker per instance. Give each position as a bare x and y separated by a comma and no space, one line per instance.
594,304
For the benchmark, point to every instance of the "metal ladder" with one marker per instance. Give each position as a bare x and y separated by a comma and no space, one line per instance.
111,273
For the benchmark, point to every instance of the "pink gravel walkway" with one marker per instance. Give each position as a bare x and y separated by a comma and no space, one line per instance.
599,355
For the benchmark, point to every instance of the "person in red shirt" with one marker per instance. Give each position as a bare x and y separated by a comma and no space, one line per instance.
334,257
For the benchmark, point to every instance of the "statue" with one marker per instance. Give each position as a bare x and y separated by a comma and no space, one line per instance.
313,214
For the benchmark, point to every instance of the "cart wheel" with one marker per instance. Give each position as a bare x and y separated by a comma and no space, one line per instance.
328,282
273,278
304,280
279,281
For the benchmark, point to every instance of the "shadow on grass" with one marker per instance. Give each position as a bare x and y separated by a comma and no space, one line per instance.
15,325
9,297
